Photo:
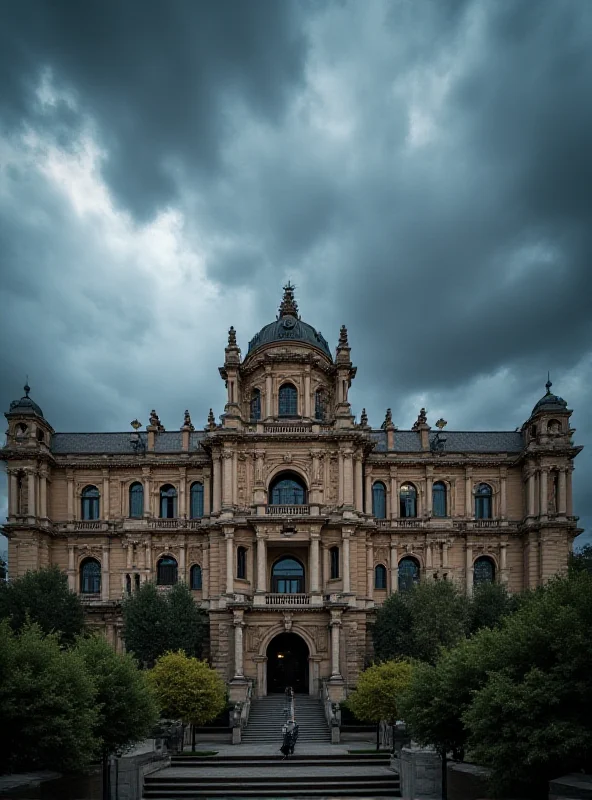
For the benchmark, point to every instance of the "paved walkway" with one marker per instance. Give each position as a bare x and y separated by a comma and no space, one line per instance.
302,748
281,770
19,780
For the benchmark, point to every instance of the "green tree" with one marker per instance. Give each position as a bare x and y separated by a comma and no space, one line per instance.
418,623
378,693
43,597
489,604
187,689
581,561
126,706
47,699
156,622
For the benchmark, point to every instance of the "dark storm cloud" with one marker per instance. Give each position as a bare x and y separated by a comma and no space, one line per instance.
158,77
421,170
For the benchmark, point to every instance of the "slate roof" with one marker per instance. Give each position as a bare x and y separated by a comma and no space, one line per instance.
166,442
288,329
456,441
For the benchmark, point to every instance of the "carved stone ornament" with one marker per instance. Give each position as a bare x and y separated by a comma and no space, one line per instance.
287,621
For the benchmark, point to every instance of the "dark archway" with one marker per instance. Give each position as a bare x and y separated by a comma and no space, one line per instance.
287,663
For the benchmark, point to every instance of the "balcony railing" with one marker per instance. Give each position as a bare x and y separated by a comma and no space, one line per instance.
287,599
288,511
475,524
287,427
400,523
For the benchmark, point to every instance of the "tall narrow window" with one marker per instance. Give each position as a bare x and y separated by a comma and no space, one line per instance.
287,576
90,502
90,576
136,581
334,559
168,502
288,401
241,563
287,489
408,500
195,577
196,496
320,404
128,584
408,573
256,404
483,501
439,499
380,576
166,571
136,500
483,570
379,500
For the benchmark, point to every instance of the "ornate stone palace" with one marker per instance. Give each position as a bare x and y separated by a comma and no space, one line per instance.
290,520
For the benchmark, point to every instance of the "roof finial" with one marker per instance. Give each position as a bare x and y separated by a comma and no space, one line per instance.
26,387
364,418
211,420
548,384
231,337
288,306
343,337
187,421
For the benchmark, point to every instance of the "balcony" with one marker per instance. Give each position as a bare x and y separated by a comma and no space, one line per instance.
480,524
287,599
288,427
287,511
176,523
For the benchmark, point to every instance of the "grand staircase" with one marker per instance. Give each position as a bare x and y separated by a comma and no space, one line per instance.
304,776
268,715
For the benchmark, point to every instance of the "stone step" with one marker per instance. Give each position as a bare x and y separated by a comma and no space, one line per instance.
296,760
312,787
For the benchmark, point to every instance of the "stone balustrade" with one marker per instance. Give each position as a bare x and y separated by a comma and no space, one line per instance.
277,599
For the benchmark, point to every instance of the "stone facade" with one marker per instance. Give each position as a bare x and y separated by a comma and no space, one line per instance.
288,472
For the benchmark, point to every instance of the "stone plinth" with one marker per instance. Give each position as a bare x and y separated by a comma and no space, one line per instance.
420,774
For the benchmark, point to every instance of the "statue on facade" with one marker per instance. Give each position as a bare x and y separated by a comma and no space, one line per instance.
155,421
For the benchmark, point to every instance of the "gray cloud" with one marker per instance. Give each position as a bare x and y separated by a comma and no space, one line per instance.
420,170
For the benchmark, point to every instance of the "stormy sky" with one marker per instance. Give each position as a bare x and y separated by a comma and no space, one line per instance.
420,169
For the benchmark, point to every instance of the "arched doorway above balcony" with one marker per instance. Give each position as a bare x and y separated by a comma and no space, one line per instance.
287,663
287,576
288,489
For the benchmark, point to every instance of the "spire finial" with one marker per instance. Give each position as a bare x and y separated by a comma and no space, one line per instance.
289,306
343,337
364,418
26,387
231,337
211,420
548,384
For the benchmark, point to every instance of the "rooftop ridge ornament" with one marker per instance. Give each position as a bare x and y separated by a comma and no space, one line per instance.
155,421
441,423
187,421
288,306
548,384
343,342
211,420
26,387
231,337
388,419
136,424
364,418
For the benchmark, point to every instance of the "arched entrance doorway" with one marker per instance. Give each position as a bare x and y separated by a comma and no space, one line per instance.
287,663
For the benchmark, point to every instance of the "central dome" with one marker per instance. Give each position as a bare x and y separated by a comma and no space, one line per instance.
288,327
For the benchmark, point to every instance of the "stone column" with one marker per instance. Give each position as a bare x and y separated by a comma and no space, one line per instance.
129,553
183,563
394,568
531,494
235,479
72,569
207,493
268,392
543,487
562,498
326,566
469,492
444,555
429,485
469,570
238,647
32,478
368,501
348,479
149,557
569,492
314,562
261,563
105,498
359,483
43,494
182,507
307,406
217,484
105,574
227,479
13,494
147,483
229,536
394,494
340,495
503,494
429,558
205,571
503,563
346,565
370,569
71,510
335,625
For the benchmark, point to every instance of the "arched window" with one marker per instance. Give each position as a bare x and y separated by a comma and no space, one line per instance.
90,502
380,576
287,576
288,401
166,571
379,500
288,489
136,500
483,570
128,584
90,576
320,404
334,562
408,500
256,404
136,581
554,426
439,499
408,573
40,435
195,577
168,502
196,498
483,501
241,563
21,430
